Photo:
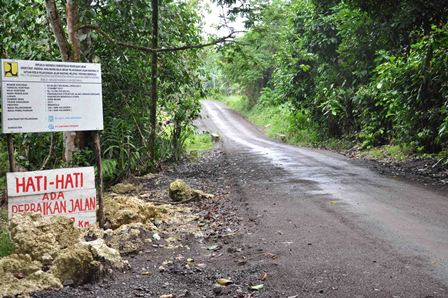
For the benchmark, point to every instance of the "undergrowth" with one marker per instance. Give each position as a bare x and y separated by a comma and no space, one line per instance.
280,122
197,143
6,246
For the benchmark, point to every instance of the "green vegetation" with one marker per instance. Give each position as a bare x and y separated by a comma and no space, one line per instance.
198,143
25,33
388,151
324,73
342,72
6,246
276,121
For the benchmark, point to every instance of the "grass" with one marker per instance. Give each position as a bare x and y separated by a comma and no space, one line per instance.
281,123
278,122
387,151
402,152
6,246
198,143
237,103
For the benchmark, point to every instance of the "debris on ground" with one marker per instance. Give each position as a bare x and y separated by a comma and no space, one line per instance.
177,220
121,210
257,287
180,191
223,281
109,255
125,188
51,252
129,238
20,274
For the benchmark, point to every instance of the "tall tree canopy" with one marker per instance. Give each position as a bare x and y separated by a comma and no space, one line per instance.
374,71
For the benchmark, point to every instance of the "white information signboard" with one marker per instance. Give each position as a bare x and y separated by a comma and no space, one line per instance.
40,96
64,192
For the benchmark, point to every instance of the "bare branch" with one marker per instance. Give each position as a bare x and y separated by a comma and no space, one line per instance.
58,30
199,46
113,40
158,50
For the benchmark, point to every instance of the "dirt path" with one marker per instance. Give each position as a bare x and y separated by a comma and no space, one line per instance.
301,222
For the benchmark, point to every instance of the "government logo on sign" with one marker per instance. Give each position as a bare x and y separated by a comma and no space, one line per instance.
11,69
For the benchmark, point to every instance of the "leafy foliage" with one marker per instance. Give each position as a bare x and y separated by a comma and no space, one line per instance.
6,245
25,34
367,70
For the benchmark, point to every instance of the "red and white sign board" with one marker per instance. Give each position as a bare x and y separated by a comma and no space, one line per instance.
64,192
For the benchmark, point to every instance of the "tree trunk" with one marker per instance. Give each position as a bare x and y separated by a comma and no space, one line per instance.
73,140
58,30
154,58
70,51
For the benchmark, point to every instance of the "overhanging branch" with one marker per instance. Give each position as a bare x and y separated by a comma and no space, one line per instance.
113,40
199,46
158,50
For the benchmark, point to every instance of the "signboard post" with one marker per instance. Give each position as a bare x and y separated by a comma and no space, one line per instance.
44,96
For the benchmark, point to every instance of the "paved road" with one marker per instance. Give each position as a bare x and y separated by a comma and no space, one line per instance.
339,228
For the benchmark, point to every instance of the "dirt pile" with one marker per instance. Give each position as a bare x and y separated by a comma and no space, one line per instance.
180,191
178,220
51,252
125,188
122,210
21,274
42,238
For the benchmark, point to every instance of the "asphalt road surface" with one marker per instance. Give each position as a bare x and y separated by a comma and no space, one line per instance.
339,229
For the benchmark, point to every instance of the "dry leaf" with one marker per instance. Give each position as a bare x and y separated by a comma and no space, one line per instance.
257,287
224,281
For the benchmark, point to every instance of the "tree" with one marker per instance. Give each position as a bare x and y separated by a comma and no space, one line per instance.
70,49
154,69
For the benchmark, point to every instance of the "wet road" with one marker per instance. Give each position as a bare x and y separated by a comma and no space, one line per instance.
336,224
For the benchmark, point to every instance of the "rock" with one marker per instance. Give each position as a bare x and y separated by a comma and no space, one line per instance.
93,233
76,264
179,191
19,274
217,289
42,237
50,252
124,188
19,263
156,237
104,253
122,210
215,137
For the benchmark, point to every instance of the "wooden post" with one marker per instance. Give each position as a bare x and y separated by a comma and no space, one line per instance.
12,160
99,165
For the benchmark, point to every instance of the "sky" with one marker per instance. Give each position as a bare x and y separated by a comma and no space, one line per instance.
212,12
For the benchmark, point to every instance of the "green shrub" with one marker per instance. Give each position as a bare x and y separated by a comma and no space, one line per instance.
6,245
198,143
